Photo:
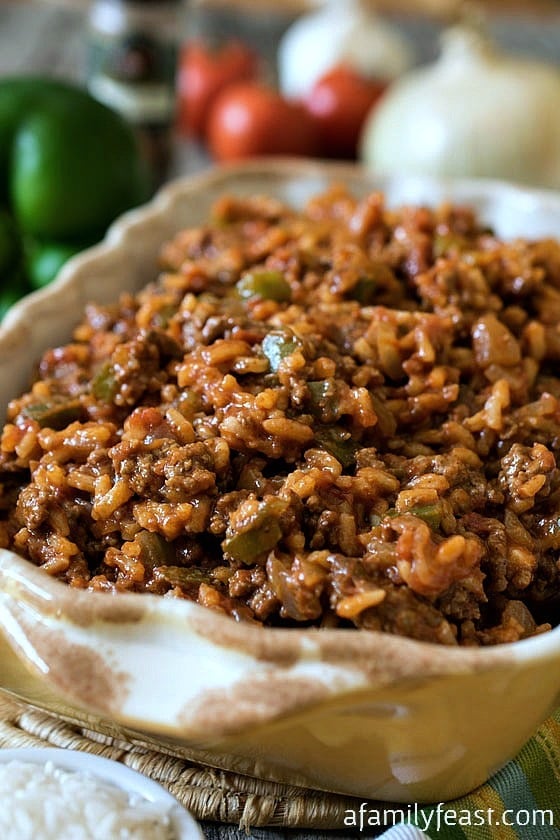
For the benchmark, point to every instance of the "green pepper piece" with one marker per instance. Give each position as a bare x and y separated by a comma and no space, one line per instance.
431,514
339,443
163,316
54,416
104,385
319,391
445,242
189,403
248,545
155,550
183,575
278,345
365,290
260,536
323,398
268,285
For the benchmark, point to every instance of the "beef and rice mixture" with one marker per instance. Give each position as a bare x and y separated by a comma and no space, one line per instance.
347,416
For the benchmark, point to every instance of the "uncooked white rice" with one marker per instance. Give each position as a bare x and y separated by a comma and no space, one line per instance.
44,802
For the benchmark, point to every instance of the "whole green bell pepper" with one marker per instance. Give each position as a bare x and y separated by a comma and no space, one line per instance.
12,285
43,260
68,166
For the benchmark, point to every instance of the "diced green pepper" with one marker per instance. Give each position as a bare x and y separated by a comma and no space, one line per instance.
445,242
323,398
365,290
431,514
183,575
319,391
268,285
53,415
339,443
164,314
155,550
104,385
189,403
261,535
248,545
278,345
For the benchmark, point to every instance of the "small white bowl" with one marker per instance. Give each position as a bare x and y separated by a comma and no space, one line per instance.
113,773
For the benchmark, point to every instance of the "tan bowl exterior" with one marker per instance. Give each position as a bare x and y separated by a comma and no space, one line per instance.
366,714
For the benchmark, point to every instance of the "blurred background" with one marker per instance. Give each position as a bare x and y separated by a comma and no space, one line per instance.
404,86
58,37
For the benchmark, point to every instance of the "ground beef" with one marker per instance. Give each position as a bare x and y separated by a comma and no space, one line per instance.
346,416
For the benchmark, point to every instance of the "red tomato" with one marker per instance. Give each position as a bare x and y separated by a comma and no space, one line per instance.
203,74
250,120
339,103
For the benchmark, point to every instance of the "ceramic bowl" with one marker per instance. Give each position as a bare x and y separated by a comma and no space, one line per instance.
118,775
356,712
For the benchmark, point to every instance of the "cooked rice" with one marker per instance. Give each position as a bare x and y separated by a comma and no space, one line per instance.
44,802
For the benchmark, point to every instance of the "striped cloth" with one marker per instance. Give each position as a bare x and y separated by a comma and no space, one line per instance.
521,802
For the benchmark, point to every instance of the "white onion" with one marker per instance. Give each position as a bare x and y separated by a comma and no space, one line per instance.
341,32
474,112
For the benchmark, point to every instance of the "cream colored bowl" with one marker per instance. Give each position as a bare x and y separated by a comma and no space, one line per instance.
357,712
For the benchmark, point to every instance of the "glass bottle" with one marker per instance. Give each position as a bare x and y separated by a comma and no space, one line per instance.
133,46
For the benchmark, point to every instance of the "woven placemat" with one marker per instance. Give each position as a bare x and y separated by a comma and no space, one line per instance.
209,794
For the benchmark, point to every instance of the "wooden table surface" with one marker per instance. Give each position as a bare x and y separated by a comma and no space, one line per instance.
48,39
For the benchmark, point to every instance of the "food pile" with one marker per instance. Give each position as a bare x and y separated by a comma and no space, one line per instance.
346,416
